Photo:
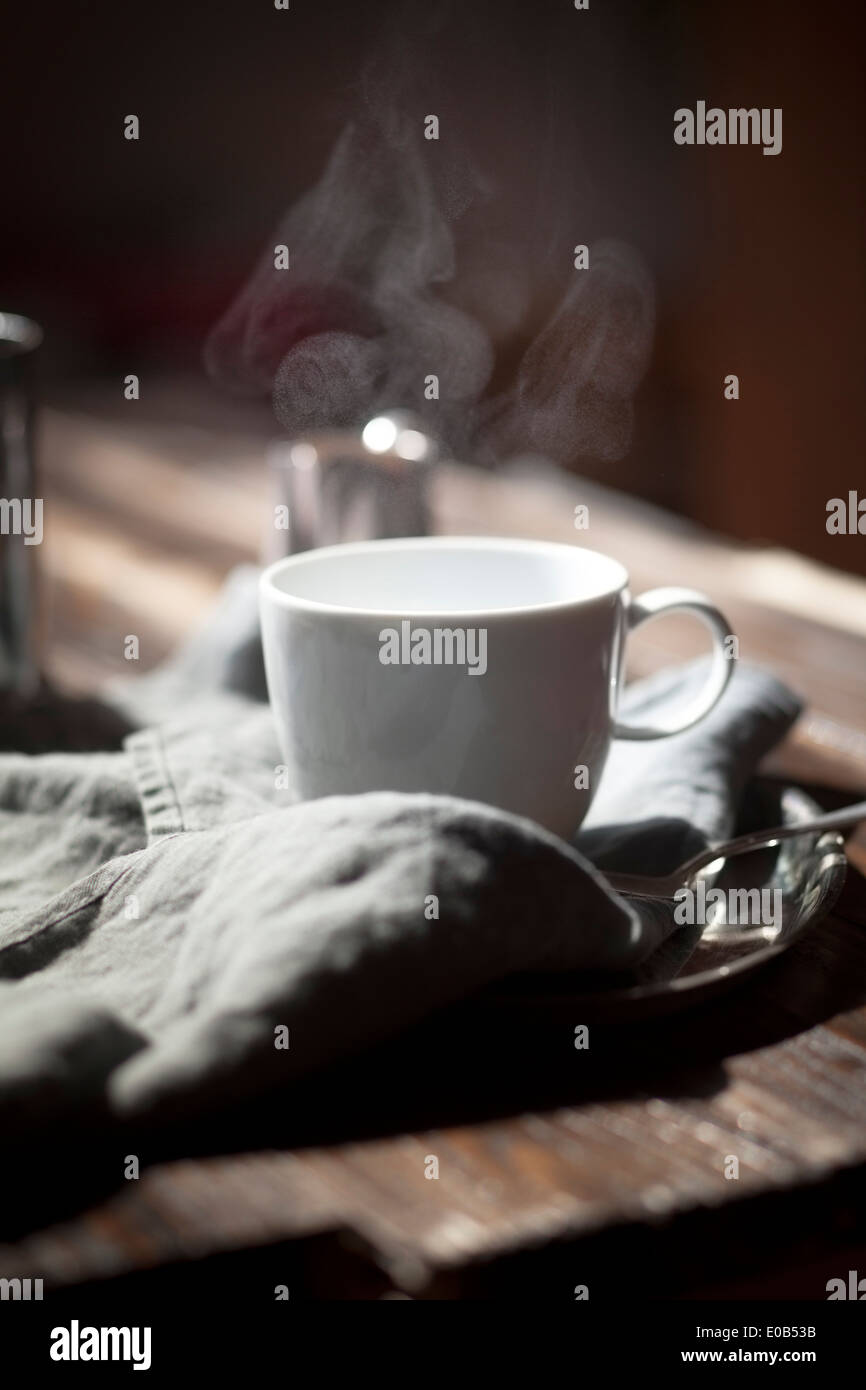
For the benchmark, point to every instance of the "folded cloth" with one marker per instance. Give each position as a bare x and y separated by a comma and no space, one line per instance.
177,929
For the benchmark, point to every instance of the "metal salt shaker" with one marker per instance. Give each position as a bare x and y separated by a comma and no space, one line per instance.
20,509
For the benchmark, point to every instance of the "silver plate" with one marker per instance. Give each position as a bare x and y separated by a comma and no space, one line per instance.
695,962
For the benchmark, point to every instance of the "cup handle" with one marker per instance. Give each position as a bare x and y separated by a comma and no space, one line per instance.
651,605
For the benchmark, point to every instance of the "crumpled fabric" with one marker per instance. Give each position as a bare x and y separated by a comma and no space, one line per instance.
177,930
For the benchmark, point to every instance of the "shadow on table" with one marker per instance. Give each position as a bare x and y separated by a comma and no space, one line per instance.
478,1061
49,722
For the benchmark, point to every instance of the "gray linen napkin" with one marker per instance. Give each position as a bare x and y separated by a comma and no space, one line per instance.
168,916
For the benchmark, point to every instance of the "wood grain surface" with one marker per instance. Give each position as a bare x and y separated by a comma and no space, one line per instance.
556,1167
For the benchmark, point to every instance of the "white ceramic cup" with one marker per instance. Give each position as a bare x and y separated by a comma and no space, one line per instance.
484,668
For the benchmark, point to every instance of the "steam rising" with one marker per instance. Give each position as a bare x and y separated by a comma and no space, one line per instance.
576,382
401,270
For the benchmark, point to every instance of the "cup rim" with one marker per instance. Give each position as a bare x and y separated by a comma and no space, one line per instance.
270,590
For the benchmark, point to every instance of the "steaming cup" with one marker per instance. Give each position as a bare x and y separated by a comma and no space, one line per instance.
482,668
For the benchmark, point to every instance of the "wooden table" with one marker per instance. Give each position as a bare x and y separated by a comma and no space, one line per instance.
553,1173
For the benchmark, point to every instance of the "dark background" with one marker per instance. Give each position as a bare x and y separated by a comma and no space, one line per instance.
129,252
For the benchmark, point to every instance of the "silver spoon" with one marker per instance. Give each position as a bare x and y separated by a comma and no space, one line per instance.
665,886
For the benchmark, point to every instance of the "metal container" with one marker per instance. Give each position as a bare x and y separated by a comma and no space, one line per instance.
20,507
350,485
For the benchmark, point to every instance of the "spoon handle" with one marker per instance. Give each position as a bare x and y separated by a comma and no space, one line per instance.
831,820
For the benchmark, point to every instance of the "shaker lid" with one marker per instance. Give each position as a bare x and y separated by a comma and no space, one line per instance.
19,337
